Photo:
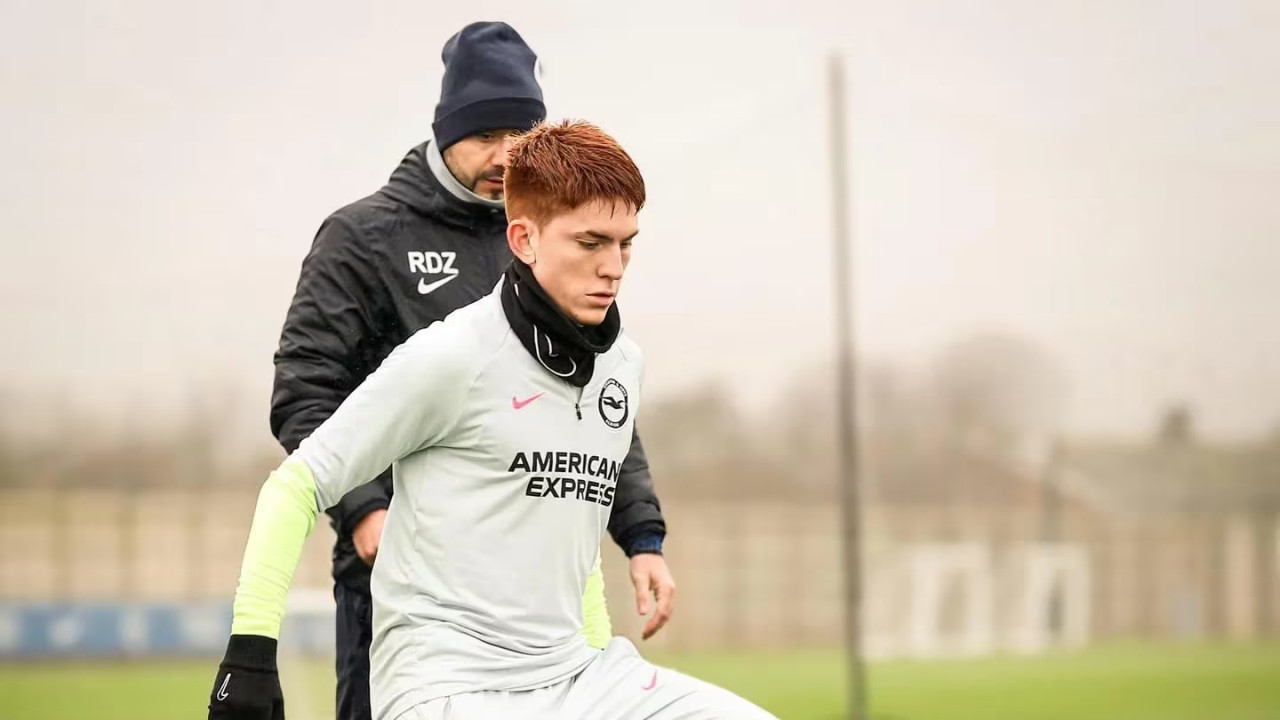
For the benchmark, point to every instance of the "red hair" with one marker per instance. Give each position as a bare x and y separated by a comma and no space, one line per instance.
553,169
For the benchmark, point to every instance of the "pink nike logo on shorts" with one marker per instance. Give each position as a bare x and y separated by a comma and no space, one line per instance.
517,404
652,682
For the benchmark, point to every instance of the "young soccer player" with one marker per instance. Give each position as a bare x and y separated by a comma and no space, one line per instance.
506,425
431,240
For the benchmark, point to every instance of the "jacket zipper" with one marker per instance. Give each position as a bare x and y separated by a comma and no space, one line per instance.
494,257
577,404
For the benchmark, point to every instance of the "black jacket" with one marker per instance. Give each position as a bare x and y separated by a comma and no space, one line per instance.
379,270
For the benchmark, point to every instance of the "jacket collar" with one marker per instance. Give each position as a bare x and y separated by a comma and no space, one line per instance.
416,183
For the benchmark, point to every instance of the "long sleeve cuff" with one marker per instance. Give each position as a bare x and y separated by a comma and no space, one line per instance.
645,542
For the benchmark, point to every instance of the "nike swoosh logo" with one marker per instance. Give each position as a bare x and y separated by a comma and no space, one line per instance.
425,288
222,691
517,404
652,682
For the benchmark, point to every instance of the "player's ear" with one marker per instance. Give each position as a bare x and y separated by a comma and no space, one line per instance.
522,238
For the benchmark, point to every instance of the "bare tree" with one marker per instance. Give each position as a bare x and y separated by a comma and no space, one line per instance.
995,393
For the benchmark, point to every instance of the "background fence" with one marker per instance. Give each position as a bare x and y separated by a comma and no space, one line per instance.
938,580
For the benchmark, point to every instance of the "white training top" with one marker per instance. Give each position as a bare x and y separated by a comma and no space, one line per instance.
504,478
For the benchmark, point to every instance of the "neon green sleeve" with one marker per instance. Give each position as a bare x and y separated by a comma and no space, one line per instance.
285,516
380,422
595,613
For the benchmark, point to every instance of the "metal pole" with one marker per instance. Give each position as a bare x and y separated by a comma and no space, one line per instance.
846,397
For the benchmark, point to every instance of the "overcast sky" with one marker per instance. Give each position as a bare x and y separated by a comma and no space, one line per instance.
1101,178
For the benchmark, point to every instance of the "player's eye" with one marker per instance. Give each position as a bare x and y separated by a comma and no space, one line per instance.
589,245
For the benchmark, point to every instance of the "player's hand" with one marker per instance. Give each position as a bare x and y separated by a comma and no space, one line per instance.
247,686
651,578
368,535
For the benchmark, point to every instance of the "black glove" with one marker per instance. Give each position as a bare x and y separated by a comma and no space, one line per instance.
247,686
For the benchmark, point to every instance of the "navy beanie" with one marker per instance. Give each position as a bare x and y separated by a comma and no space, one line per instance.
489,83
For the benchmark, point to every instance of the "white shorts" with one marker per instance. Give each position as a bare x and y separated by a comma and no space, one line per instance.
617,685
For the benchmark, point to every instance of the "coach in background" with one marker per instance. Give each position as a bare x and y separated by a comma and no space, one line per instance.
431,241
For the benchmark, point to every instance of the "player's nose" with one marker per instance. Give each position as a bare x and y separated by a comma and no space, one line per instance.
611,265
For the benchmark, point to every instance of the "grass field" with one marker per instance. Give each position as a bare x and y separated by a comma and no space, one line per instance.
1136,683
